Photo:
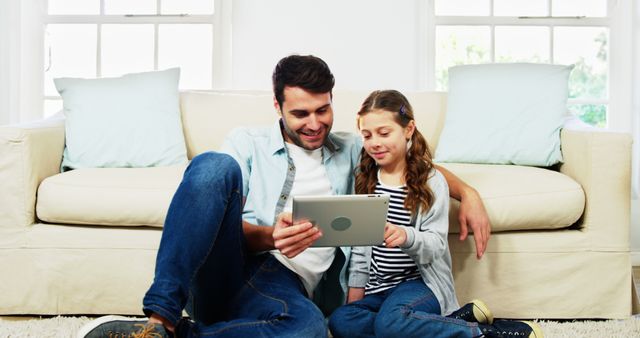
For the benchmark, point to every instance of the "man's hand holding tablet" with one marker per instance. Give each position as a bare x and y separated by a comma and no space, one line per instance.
291,239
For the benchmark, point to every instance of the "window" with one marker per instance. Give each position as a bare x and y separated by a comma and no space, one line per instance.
107,38
540,31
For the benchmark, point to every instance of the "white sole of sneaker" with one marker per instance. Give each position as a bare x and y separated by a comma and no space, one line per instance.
483,311
537,330
84,330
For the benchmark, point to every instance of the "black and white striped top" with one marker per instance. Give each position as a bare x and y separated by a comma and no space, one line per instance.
391,266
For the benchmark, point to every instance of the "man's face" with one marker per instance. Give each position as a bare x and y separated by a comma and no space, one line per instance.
307,117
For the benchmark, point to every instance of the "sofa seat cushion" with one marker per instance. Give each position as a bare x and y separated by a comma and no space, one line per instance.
109,196
519,197
516,197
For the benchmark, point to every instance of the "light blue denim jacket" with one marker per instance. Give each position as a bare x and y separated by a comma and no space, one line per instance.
426,244
267,176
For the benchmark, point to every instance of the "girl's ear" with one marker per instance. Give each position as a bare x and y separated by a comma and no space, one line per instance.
409,129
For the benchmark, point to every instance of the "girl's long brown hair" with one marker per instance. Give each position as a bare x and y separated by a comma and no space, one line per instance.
419,162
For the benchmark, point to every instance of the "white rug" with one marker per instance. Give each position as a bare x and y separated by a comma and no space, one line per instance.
67,327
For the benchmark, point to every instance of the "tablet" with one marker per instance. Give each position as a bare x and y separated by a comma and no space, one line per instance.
345,220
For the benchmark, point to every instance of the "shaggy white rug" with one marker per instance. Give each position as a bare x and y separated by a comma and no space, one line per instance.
67,327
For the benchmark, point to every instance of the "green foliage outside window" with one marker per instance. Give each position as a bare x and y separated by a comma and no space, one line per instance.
474,55
585,82
593,114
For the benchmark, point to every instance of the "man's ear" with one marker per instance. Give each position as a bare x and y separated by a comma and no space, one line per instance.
276,105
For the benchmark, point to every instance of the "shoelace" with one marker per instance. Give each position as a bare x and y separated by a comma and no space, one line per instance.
464,314
503,333
146,331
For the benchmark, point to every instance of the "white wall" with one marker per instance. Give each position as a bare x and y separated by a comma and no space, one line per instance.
367,43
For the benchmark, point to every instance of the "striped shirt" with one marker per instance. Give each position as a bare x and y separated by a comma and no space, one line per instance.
391,266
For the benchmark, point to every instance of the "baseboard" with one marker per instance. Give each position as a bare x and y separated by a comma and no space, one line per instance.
635,258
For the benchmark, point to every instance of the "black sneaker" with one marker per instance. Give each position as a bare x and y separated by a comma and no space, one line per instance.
511,329
476,311
122,327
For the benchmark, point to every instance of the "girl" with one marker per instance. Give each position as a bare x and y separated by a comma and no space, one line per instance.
403,287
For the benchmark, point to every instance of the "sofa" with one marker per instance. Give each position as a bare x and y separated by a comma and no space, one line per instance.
85,241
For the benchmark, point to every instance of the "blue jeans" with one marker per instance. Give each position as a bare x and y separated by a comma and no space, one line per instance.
203,265
408,310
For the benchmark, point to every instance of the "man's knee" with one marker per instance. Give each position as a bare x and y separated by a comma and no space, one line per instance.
213,166
212,159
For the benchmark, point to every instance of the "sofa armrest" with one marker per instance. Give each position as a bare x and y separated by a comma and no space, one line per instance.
28,154
601,163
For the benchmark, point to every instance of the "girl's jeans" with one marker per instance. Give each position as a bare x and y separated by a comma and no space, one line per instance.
408,310
203,265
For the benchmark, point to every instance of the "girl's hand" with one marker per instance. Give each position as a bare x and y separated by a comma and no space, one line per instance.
394,235
355,294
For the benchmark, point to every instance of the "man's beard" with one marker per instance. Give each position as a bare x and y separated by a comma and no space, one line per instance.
295,137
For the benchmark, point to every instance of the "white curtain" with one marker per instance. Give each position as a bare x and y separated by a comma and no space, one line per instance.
21,38
635,129
635,114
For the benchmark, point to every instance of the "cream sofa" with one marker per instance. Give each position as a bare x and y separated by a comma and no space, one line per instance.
84,242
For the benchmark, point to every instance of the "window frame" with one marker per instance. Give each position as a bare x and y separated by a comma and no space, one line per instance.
220,22
617,21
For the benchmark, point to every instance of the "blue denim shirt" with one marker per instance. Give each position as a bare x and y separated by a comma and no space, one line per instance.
268,173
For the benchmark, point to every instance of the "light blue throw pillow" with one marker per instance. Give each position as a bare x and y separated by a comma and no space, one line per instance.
505,114
128,121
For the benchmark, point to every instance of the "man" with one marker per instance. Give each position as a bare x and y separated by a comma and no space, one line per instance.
230,253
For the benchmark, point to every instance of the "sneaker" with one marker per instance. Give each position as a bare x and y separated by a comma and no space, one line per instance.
510,329
122,327
476,311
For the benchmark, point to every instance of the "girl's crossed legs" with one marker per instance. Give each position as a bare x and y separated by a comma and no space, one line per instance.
407,310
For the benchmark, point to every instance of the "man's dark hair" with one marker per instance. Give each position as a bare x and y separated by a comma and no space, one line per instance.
305,71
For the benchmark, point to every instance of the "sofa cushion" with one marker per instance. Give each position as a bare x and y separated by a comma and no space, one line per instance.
505,114
519,197
208,116
128,121
203,110
109,196
516,197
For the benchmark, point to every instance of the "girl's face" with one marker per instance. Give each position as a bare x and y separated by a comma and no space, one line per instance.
384,139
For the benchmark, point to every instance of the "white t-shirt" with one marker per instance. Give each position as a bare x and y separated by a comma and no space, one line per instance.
311,179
